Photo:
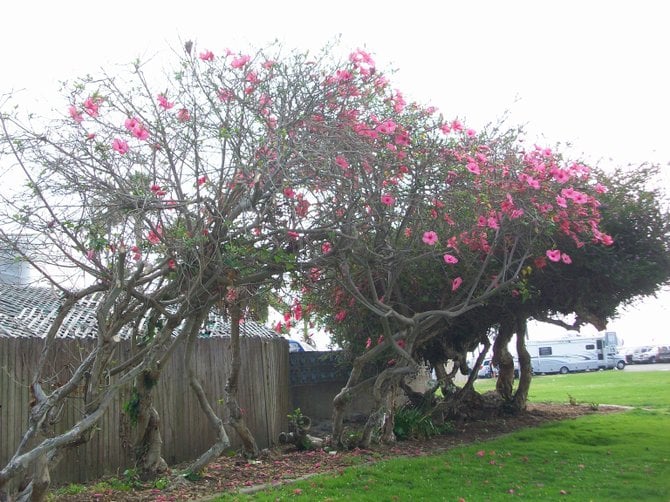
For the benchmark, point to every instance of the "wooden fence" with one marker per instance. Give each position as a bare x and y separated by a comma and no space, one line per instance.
263,395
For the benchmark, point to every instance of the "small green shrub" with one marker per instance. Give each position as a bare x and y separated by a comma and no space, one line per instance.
71,489
193,476
298,420
412,423
132,478
352,439
161,483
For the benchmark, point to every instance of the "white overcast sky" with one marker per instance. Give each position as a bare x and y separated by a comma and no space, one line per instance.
593,74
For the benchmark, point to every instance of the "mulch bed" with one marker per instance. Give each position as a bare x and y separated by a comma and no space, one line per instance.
283,465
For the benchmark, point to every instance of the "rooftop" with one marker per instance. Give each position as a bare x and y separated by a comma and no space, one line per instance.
28,311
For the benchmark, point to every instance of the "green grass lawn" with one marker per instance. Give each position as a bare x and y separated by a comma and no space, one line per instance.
628,388
621,456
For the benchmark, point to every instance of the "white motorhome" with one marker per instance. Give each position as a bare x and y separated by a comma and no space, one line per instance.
576,353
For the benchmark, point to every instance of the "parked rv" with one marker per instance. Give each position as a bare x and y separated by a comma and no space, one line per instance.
576,354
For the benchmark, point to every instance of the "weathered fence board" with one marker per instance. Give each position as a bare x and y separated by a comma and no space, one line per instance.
263,394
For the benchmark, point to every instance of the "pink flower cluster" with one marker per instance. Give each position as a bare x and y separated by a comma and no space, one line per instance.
163,102
91,106
207,56
342,162
75,114
240,61
363,62
556,255
183,115
154,236
136,128
431,238
120,145
158,191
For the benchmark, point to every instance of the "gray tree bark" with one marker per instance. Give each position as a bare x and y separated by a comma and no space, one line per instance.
504,360
525,368
232,404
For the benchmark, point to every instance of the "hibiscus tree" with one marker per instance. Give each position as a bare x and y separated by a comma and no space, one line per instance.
170,199
207,190
421,197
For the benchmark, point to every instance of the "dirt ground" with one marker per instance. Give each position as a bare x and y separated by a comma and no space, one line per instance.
283,465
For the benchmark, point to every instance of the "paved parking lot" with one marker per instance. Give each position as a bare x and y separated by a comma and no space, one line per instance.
648,367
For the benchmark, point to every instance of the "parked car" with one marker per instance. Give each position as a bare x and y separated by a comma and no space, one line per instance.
486,370
645,355
663,355
296,346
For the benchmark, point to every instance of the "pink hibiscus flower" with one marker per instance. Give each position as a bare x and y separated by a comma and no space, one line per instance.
120,146
553,254
75,114
387,200
429,238
163,102
207,56
450,259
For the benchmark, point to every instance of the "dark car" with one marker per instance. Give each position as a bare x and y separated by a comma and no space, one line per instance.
663,355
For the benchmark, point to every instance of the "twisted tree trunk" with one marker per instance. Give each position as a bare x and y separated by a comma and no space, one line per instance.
143,424
232,404
504,360
381,417
222,440
469,385
51,447
525,368
344,397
